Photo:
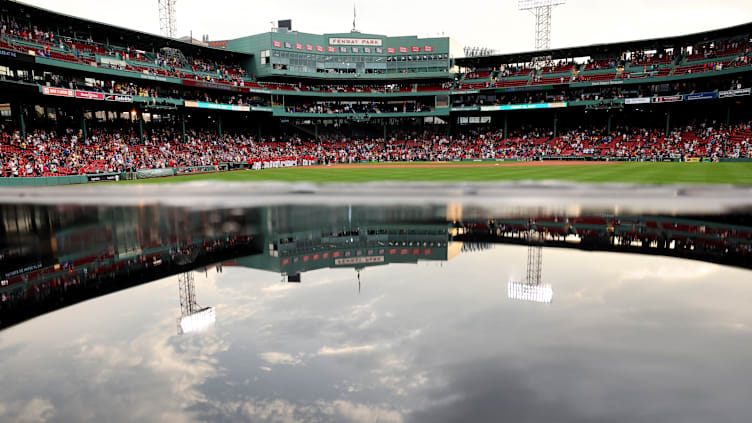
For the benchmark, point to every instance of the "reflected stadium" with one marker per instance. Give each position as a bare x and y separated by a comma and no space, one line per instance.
372,313
55,256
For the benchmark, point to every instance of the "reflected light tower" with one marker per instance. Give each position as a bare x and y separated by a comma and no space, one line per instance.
531,289
542,11
193,318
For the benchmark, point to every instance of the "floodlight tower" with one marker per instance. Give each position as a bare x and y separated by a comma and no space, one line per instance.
531,289
534,262
167,20
187,291
193,318
542,11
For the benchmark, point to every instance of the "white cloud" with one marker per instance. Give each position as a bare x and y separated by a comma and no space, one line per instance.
671,272
348,350
361,413
281,358
36,410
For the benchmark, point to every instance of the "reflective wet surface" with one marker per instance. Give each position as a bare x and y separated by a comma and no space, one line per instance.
366,313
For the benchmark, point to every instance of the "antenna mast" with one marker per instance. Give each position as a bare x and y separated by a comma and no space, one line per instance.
167,19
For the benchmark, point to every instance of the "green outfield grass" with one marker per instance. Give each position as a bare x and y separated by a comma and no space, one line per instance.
641,173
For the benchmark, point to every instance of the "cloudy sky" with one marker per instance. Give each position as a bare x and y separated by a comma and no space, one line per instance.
494,24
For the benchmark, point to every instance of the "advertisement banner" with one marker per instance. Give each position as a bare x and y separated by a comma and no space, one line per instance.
356,50
88,95
366,49
415,49
298,46
103,178
215,106
523,106
355,42
15,55
700,96
331,49
734,93
60,92
358,260
288,45
309,47
343,49
277,44
391,50
428,49
640,100
119,98
668,99
379,50
320,49
403,49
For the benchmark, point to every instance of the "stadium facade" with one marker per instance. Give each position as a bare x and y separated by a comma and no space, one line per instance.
63,73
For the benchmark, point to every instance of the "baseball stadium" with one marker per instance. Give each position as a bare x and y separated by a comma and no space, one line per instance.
337,225
84,101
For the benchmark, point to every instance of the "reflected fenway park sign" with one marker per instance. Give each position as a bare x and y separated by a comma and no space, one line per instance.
355,42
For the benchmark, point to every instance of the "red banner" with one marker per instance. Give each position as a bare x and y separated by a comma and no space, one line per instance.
309,47
356,50
343,49
298,46
331,49
277,43
87,95
62,92
428,49
320,49
403,49
415,49
391,50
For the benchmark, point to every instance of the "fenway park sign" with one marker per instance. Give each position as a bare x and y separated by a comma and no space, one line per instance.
374,42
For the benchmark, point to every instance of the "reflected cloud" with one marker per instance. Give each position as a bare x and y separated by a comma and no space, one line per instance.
348,350
278,358
36,410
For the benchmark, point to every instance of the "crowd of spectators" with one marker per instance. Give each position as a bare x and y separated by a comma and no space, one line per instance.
43,153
